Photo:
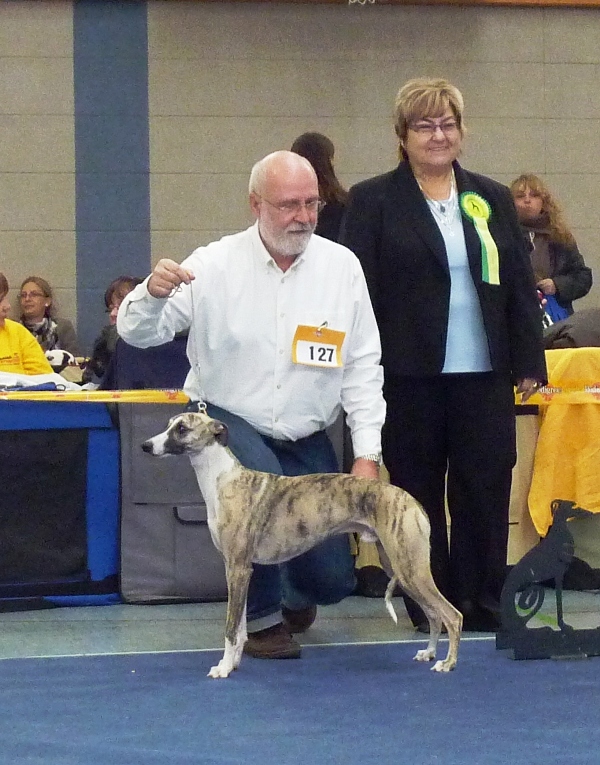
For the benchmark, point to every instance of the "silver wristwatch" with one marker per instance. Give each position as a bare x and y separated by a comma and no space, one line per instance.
372,457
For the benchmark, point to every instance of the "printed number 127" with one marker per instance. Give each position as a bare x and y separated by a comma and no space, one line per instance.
324,355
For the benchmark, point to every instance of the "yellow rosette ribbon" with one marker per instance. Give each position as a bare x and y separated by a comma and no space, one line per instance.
478,209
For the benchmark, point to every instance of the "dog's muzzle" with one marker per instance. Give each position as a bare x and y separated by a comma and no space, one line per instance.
148,446
162,445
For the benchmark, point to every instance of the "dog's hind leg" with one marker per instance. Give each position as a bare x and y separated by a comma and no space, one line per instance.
412,569
438,610
238,580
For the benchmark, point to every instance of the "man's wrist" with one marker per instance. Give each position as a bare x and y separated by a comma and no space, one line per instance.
371,457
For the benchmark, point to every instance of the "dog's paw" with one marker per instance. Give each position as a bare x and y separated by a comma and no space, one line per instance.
425,655
443,666
223,669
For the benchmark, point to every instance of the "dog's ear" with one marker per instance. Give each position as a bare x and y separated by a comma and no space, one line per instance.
220,431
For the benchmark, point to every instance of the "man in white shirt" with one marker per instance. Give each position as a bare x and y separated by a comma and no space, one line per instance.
282,336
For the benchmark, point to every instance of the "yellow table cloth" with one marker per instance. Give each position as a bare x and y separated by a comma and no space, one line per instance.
567,456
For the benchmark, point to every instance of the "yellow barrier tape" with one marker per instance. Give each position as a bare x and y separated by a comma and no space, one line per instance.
150,396
571,392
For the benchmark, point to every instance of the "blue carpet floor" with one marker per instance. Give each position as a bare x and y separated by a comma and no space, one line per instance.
359,704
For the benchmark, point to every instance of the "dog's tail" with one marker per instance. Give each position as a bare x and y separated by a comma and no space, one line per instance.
388,598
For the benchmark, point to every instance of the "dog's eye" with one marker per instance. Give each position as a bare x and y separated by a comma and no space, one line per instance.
181,428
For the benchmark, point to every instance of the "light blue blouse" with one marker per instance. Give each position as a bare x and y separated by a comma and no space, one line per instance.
466,345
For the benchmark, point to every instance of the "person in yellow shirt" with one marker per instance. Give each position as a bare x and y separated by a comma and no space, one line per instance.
20,352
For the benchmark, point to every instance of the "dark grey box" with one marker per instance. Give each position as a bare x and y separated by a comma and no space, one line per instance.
167,554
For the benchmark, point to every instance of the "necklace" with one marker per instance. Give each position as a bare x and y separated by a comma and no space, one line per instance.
444,211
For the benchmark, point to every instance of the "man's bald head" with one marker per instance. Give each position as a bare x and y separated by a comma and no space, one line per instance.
278,166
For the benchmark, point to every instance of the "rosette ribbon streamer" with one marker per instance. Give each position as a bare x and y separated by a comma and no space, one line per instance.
478,210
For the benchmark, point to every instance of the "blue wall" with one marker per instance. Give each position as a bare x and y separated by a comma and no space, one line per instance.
112,182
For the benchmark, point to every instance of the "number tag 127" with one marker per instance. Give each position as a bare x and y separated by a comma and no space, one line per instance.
317,346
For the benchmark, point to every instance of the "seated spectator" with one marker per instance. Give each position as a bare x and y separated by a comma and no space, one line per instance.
560,272
104,345
19,351
37,314
319,151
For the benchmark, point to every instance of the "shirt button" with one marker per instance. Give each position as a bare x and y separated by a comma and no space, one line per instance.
279,387
281,351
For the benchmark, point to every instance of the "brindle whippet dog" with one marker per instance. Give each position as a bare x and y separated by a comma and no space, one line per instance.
263,518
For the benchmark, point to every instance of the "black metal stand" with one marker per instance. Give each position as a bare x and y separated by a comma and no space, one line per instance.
523,596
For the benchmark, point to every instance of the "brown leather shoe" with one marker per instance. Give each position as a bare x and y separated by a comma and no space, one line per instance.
273,643
298,621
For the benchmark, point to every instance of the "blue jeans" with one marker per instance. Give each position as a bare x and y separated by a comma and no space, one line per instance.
320,576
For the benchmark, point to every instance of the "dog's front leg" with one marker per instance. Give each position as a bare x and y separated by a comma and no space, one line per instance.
558,593
235,626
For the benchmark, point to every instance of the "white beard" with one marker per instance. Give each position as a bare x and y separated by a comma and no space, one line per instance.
287,244
292,244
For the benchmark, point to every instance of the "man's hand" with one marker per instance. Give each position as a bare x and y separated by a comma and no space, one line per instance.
527,387
365,468
547,286
166,277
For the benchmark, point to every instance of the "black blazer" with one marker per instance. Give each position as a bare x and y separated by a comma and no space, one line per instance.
389,226
330,220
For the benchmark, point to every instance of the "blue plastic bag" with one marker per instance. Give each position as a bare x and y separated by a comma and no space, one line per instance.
554,310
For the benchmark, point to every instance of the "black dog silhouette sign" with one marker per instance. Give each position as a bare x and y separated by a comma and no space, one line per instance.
523,595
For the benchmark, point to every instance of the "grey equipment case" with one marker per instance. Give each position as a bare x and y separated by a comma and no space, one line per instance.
167,554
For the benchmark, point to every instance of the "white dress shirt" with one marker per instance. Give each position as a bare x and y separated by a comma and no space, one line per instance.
242,312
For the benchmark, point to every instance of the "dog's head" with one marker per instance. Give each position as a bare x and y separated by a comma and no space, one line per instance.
187,433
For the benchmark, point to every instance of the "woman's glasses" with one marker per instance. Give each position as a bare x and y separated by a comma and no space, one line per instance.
430,128
25,295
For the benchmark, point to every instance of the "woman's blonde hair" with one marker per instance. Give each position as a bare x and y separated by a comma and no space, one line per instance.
426,97
558,228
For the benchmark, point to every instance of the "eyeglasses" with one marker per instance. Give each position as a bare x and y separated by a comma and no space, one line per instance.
295,206
429,127
25,295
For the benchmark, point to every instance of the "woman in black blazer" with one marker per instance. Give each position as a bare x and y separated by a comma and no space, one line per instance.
460,323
